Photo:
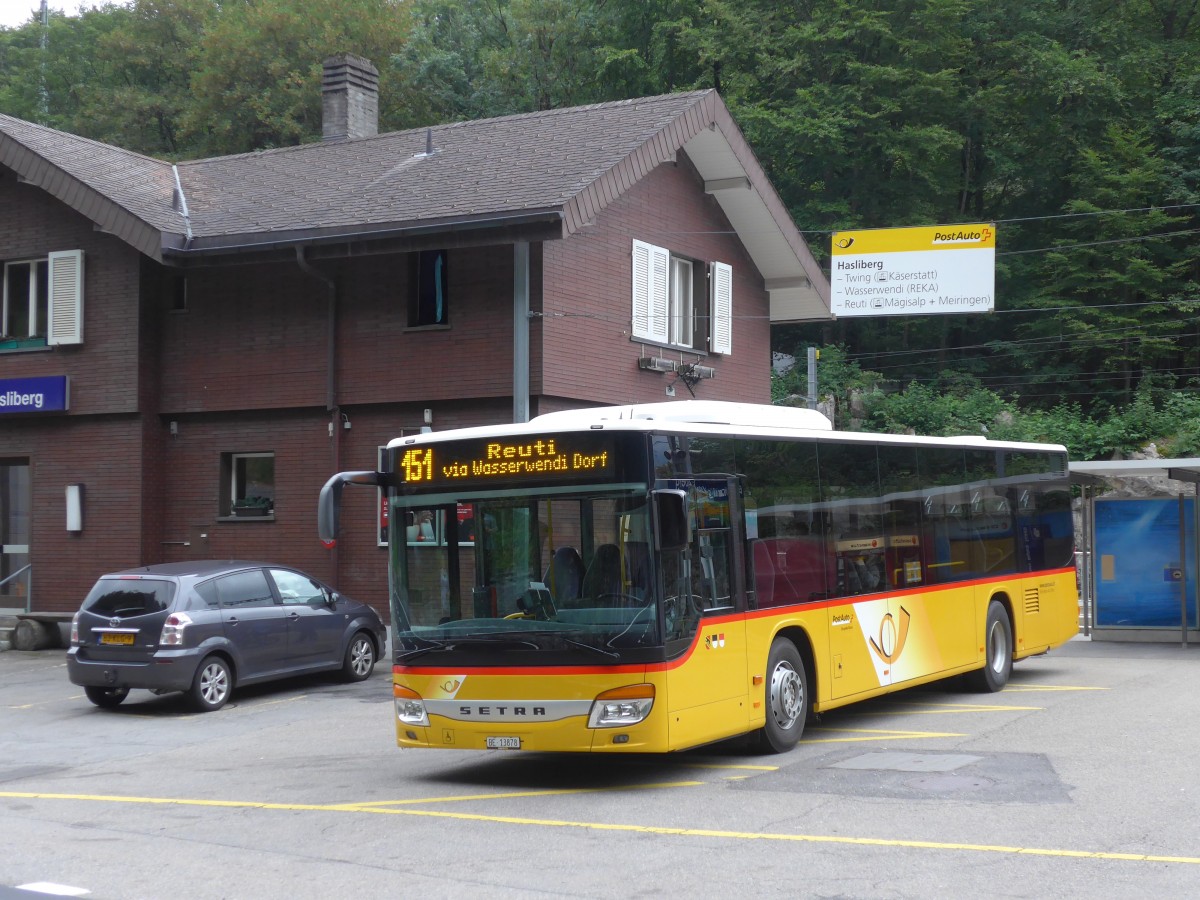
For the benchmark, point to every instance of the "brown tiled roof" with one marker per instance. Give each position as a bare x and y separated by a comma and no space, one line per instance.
116,188
487,168
558,167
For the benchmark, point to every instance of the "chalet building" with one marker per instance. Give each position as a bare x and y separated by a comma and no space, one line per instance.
188,351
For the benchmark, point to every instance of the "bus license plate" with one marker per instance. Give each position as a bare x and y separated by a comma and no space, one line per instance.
125,640
504,743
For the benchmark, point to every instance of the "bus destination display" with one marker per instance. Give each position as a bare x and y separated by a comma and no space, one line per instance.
562,456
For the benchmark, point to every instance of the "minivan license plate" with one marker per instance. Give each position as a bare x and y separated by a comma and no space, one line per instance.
504,743
125,640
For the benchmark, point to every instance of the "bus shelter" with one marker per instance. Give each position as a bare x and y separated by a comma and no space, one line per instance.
1139,564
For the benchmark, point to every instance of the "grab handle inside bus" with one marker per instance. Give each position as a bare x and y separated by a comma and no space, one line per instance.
672,525
329,506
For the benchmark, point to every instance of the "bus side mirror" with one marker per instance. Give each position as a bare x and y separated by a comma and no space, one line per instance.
672,525
329,506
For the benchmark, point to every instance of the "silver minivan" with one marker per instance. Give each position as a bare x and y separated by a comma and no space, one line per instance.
209,626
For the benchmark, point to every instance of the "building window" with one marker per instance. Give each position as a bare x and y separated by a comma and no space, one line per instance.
665,308
427,289
248,484
176,290
42,301
682,326
26,300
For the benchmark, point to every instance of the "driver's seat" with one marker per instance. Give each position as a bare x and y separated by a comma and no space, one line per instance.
603,575
564,576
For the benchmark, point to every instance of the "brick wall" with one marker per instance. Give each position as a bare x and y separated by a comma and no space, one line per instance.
244,368
103,371
98,443
588,356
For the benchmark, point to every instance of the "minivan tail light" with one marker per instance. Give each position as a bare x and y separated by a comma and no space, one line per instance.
75,629
173,628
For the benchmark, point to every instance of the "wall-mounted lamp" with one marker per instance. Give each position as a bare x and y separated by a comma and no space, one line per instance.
345,421
429,417
174,429
75,507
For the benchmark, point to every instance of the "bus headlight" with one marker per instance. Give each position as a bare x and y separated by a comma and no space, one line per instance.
622,706
410,707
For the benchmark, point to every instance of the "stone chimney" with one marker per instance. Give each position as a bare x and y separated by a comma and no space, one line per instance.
349,98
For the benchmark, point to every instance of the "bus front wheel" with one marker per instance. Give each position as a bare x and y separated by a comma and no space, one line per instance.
998,652
786,698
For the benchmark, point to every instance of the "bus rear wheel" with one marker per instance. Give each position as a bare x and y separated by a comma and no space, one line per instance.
786,698
998,652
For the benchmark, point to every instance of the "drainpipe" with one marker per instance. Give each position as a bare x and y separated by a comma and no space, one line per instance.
521,331
331,400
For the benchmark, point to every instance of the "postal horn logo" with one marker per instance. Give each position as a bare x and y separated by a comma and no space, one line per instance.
893,635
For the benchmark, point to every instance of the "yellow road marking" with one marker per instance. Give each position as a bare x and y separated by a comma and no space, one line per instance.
875,734
731,766
637,829
514,794
937,709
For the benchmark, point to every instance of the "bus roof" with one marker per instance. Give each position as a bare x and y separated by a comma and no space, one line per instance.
710,417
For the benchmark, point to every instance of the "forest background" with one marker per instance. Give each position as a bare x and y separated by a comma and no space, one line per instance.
1073,125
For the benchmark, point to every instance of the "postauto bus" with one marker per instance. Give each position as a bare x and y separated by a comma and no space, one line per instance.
652,578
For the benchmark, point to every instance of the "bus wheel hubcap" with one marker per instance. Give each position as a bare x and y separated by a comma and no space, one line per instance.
787,695
999,648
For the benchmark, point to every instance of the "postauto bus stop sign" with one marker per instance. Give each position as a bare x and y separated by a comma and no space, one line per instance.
927,270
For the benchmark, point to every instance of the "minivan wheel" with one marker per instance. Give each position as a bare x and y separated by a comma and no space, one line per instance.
212,685
360,658
106,698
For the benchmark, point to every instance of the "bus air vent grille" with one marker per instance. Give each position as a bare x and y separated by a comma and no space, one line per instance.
1033,601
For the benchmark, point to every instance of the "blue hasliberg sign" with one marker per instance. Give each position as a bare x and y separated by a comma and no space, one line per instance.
25,395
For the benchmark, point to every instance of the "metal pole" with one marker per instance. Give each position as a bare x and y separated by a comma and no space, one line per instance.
813,354
521,331
1089,554
1196,547
1183,572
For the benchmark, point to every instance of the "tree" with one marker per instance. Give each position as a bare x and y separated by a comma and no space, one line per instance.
257,81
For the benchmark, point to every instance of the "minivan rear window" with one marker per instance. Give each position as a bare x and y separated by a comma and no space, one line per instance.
132,597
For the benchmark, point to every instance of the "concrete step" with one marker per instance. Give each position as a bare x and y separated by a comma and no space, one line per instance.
8,625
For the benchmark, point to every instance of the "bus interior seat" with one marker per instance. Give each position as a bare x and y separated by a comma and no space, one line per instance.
564,575
764,575
637,569
800,569
603,575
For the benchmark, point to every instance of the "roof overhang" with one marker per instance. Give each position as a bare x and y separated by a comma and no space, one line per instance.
798,289
107,216
392,237
1094,473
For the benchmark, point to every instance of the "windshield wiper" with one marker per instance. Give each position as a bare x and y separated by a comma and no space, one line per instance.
581,645
503,640
429,647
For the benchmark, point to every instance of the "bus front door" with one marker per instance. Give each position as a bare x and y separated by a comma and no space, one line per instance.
707,693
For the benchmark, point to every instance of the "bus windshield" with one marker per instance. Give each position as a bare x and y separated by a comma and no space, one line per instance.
518,573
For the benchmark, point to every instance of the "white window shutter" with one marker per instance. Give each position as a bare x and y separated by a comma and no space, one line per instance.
721,338
651,268
65,325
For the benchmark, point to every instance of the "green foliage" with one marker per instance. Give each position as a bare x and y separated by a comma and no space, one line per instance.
1074,126
258,81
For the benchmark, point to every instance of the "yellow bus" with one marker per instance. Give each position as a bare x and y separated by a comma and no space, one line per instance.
657,577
